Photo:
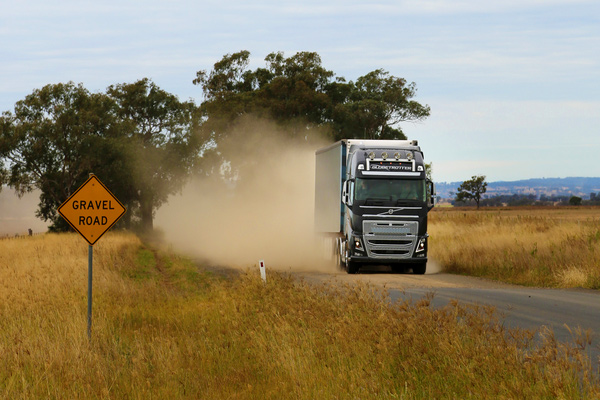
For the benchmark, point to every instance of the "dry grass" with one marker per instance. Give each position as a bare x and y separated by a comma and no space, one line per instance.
554,247
163,330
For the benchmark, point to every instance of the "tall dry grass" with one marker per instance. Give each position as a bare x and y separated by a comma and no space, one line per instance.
161,329
549,247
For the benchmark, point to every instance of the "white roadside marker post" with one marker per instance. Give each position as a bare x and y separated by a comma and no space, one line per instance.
263,272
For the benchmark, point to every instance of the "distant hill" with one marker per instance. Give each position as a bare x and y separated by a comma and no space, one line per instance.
576,186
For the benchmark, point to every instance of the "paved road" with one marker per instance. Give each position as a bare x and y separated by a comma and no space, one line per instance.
528,308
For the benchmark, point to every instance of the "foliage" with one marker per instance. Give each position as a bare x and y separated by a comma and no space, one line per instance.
159,132
575,200
374,106
55,138
164,328
429,171
137,139
509,200
299,93
530,200
143,143
472,189
3,176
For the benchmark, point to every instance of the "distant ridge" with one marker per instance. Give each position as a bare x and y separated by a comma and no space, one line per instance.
572,186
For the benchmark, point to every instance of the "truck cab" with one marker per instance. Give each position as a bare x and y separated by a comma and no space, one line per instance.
385,198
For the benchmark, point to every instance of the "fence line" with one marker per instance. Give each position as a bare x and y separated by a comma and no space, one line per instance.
20,236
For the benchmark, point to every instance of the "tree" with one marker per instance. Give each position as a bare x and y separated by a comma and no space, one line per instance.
375,105
472,189
137,138
55,138
292,91
3,175
575,200
228,91
289,91
429,171
161,142
299,93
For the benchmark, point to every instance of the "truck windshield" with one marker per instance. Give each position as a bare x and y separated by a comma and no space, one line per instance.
392,190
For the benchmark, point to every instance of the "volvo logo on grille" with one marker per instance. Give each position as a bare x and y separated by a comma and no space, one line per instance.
390,211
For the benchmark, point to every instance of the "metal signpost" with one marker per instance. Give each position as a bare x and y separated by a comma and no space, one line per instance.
92,210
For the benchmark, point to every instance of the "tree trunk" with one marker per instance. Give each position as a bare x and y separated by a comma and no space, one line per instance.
146,213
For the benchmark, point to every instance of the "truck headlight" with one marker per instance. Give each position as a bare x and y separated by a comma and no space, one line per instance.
358,244
421,245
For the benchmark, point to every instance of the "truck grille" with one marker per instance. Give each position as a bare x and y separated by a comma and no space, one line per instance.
390,239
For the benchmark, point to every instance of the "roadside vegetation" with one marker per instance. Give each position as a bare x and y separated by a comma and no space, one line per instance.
164,329
145,144
534,246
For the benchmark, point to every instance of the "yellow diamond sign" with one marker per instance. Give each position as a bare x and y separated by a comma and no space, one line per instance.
92,210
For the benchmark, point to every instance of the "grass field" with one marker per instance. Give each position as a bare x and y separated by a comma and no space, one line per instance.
164,329
547,247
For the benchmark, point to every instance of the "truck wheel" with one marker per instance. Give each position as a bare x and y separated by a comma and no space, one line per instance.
352,267
341,264
339,254
419,269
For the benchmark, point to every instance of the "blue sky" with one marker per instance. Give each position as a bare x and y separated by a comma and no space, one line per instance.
513,85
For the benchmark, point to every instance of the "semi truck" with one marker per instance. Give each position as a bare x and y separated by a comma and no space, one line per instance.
371,203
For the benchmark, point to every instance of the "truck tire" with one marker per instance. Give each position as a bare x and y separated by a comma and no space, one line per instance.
339,254
420,268
352,267
340,264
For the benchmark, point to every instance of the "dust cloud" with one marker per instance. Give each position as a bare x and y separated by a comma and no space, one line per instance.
258,205
433,267
17,214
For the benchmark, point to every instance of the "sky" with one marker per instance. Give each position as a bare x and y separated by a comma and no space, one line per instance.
513,85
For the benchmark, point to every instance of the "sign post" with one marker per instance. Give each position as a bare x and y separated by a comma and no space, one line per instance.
91,211
90,263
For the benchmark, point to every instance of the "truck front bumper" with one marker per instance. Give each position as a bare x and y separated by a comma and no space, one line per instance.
388,249
386,261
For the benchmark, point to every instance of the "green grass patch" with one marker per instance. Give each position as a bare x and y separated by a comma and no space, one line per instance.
144,267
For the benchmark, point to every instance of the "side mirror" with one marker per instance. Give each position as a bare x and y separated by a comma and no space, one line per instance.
431,195
347,190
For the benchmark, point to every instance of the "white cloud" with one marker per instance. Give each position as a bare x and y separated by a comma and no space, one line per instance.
510,139
513,85
406,7
476,6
